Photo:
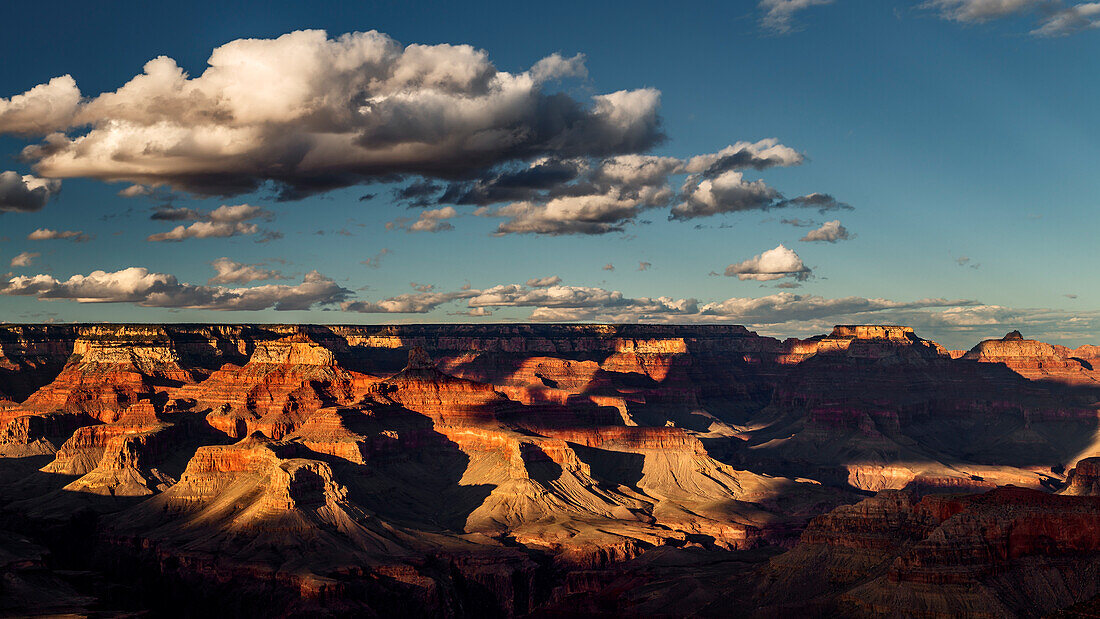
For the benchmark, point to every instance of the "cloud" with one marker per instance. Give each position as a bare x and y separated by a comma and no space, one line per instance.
46,234
1055,19
823,202
409,303
977,11
25,259
779,14
139,286
771,265
729,192
25,193
644,266
609,267
1069,20
224,221
231,272
135,191
965,261
589,196
432,220
310,113
172,213
422,287
376,261
544,282
829,232
41,110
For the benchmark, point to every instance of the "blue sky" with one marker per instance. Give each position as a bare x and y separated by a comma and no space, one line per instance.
965,141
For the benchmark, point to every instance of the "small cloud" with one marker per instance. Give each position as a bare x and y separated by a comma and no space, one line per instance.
778,15
644,266
965,261
421,287
431,220
609,267
135,191
1070,296
376,261
773,264
544,282
26,193
829,232
24,259
367,196
230,272
46,234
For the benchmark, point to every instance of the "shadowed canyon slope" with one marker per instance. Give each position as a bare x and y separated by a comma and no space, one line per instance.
503,470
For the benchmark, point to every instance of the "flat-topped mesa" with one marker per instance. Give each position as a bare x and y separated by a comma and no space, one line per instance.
1036,360
298,349
283,383
423,388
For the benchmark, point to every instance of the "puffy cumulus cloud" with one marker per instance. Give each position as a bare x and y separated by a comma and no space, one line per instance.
24,259
232,272
767,153
976,11
310,113
431,220
41,110
773,264
47,234
224,221
1069,20
829,232
140,286
544,282
25,193
600,196
778,15
729,192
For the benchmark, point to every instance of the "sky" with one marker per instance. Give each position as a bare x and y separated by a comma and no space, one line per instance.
783,164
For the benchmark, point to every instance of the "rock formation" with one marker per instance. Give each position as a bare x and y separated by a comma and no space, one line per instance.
574,469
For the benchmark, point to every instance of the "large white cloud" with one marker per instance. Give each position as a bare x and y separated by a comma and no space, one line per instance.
24,192
310,113
140,286
770,265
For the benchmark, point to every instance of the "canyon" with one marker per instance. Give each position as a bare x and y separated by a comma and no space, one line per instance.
544,470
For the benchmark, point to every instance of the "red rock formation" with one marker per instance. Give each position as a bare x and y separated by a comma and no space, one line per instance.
281,385
1036,360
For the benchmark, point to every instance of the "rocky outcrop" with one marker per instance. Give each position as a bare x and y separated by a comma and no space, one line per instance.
1036,360
281,385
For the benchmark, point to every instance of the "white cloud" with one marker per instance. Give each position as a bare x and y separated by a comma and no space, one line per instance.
773,264
1055,19
232,272
46,234
310,113
829,232
25,193
779,14
224,221
430,220
976,11
139,286
41,110
24,259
